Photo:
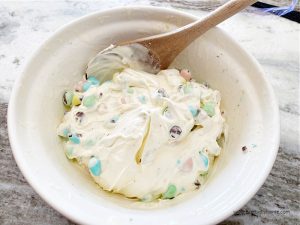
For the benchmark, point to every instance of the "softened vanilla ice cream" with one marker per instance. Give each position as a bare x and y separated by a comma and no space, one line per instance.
146,136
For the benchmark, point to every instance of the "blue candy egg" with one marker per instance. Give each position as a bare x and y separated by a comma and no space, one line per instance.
66,132
94,166
204,158
194,111
86,86
74,139
93,80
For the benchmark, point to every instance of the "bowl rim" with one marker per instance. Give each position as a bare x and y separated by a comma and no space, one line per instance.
12,107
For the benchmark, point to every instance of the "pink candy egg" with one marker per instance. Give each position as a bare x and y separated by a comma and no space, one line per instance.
78,86
187,165
186,74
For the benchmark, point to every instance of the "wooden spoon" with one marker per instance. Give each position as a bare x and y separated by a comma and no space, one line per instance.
165,47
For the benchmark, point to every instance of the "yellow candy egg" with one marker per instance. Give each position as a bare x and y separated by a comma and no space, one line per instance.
76,100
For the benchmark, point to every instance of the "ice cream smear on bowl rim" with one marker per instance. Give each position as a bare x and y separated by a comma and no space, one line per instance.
143,133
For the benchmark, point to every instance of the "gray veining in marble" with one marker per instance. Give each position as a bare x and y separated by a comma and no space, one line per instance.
273,41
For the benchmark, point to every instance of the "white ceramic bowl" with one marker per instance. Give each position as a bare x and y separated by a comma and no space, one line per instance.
36,109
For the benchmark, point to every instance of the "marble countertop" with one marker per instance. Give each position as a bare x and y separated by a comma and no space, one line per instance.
272,40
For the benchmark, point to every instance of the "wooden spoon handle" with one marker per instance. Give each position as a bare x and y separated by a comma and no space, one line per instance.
222,13
168,45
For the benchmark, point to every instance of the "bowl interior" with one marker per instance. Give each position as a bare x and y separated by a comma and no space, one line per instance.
36,110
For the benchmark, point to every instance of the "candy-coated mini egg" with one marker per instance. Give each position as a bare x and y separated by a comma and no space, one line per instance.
86,85
188,165
171,192
89,101
67,98
194,111
95,166
209,108
186,74
204,159
93,80
74,138
175,132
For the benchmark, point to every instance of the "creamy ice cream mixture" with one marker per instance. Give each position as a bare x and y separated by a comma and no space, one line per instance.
146,135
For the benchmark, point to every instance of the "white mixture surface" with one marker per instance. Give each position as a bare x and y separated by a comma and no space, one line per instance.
143,135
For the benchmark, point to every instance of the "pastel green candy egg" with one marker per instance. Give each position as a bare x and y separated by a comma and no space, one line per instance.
209,108
93,80
171,192
187,88
67,98
95,166
89,101
69,152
